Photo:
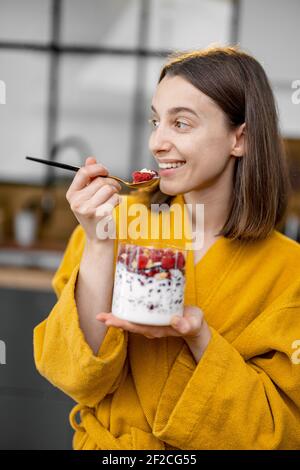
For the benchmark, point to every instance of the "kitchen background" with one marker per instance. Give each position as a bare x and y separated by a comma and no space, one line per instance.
76,79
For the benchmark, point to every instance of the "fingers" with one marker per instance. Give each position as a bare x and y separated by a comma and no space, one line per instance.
96,184
86,193
99,194
150,332
111,320
107,208
180,324
90,160
191,310
104,195
190,323
85,175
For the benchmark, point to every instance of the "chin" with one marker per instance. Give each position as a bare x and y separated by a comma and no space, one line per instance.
170,190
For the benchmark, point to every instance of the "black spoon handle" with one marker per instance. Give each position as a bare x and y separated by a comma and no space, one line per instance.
57,164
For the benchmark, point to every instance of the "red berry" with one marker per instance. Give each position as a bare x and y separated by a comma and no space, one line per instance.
180,260
167,262
156,255
169,252
142,261
138,176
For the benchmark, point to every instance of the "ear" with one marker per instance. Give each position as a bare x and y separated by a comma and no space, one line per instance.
238,149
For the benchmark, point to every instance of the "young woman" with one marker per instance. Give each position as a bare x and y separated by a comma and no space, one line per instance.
227,374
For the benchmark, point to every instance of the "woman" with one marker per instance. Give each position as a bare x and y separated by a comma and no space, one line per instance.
226,375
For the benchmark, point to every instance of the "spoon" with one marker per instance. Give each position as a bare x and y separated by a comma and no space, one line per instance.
142,184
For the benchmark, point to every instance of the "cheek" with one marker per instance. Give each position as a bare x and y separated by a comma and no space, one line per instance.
150,142
219,138
211,150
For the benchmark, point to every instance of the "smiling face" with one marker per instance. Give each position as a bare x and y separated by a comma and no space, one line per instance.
190,127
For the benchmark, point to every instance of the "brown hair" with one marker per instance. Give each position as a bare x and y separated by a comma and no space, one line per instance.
239,85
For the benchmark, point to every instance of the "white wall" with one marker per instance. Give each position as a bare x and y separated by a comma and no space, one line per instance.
270,30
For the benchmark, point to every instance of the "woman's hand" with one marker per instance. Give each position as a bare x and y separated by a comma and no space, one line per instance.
92,197
192,327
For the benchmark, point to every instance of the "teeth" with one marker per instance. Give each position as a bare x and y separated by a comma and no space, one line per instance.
170,165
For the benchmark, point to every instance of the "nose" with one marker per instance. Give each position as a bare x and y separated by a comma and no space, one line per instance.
159,141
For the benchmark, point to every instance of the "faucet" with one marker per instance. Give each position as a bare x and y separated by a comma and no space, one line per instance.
72,142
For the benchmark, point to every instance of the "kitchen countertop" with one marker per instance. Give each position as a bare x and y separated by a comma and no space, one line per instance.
26,278
31,267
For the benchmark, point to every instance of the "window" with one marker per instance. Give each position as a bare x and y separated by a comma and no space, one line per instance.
88,69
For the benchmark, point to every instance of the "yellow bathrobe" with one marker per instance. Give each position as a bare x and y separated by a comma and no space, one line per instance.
140,393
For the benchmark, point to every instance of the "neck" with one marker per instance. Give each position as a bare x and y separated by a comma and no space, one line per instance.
216,200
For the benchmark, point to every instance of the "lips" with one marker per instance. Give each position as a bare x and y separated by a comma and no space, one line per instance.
171,161
159,162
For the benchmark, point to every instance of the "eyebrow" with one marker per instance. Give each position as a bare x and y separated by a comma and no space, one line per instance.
177,109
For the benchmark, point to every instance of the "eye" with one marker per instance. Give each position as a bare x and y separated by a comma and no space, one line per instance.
153,122
181,125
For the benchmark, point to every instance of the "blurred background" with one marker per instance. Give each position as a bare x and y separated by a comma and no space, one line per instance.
76,79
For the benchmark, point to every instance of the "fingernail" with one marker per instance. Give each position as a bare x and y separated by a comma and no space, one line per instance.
90,158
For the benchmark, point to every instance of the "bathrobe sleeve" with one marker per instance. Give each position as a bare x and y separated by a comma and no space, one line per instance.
60,351
241,395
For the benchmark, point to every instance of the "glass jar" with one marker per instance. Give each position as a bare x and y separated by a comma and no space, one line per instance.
149,283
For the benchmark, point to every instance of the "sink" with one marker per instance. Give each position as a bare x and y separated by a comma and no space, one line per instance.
43,259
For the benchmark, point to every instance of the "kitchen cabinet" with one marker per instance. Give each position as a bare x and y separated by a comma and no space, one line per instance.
34,414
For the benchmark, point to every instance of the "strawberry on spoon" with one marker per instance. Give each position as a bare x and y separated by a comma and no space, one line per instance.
144,175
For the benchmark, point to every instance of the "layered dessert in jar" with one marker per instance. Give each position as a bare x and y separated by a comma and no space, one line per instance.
149,284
